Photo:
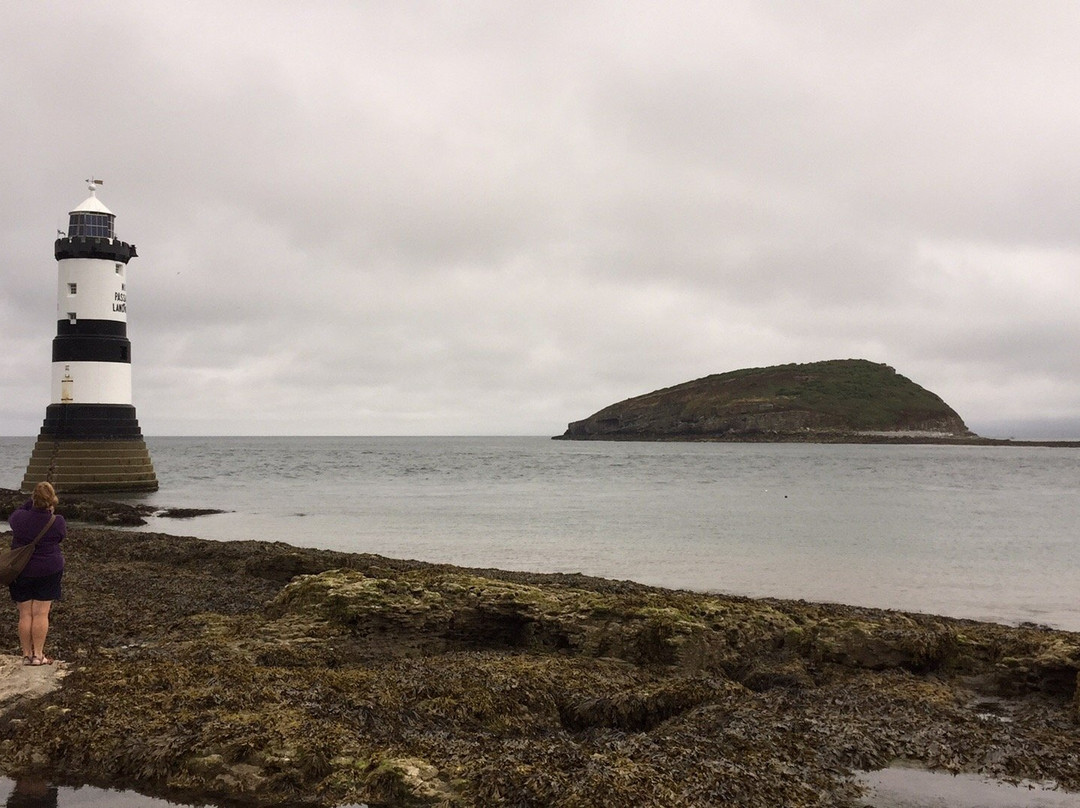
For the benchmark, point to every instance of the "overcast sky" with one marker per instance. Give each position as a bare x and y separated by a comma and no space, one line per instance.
406,218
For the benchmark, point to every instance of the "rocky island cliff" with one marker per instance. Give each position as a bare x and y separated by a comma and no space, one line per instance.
256,674
838,400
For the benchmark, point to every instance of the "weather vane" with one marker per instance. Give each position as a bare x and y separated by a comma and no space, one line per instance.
93,183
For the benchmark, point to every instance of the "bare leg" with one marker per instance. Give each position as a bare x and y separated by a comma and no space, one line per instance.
25,622
40,625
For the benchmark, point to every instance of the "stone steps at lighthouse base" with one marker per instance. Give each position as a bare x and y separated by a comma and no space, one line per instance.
87,466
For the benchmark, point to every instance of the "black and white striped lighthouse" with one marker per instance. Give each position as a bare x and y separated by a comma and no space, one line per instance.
91,440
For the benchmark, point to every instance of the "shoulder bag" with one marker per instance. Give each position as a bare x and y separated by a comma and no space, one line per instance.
13,561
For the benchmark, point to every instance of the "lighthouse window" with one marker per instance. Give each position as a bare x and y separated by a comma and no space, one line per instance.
73,288
99,225
71,317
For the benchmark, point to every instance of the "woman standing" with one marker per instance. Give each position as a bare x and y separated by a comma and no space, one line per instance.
38,585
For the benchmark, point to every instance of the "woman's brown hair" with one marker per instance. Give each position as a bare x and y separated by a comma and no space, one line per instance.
44,496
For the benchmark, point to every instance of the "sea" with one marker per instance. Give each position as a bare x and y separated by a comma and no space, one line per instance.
982,532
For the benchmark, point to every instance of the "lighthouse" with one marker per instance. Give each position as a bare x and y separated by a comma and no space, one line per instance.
90,440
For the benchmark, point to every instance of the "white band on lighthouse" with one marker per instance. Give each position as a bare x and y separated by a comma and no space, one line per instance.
91,289
91,383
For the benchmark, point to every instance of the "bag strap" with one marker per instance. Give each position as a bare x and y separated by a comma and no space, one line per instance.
45,529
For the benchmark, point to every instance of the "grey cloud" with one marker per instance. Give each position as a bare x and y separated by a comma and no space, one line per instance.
394,218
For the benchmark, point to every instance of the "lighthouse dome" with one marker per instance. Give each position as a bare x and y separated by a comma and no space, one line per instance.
91,218
92,205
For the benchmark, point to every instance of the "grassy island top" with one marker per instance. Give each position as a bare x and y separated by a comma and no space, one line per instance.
820,400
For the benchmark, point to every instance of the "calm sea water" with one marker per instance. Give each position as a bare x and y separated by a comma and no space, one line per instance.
982,532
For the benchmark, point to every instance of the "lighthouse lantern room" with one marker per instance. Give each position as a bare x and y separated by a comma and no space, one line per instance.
90,439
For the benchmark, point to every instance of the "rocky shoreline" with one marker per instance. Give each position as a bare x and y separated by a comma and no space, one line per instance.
836,438
255,673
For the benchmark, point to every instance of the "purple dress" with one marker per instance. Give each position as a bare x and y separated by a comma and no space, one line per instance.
26,522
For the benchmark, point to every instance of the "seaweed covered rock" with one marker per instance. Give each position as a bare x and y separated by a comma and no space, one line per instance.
395,683
424,612
895,642
407,782
96,511
82,509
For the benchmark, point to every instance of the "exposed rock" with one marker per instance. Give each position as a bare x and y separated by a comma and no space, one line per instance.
90,510
82,509
407,782
19,682
185,513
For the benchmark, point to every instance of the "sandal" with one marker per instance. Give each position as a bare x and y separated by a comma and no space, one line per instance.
41,660
28,660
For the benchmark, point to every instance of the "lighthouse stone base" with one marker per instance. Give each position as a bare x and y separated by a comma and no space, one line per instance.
87,448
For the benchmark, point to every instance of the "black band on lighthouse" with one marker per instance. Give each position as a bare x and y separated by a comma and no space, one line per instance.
91,349
90,422
92,247
91,328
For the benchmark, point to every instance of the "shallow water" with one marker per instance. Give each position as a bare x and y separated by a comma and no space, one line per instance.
968,531
904,787
39,794
897,787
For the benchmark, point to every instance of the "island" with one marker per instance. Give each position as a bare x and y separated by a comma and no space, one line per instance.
845,400
256,673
